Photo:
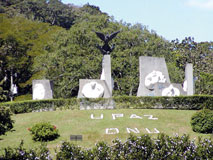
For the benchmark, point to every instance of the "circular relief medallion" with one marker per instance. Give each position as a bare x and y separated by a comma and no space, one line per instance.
93,90
153,78
171,91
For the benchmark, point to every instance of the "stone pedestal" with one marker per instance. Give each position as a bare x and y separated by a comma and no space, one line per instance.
42,89
189,79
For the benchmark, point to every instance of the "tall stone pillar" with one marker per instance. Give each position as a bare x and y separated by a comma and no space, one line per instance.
106,72
189,79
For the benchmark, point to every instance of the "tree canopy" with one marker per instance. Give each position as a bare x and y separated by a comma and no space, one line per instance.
49,39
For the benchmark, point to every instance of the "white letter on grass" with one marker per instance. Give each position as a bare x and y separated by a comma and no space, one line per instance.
135,116
151,117
132,130
112,131
156,131
117,115
101,117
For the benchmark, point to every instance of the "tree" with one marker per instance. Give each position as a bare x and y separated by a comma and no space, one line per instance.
20,41
70,56
49,11
200,55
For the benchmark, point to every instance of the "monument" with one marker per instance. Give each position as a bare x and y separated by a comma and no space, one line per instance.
96,88
106,61
155,81
42,89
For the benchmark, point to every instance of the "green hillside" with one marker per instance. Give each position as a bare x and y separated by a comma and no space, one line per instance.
56,41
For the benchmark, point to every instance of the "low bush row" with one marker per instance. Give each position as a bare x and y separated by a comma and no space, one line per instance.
196,102
143,147
41,105
21,153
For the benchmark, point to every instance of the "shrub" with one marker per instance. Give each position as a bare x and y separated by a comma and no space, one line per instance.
202,121
70,151
20,153
143,147
102,151
195,102
44,131
6,123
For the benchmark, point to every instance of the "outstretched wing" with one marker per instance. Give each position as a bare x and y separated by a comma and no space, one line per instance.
100,35
113,35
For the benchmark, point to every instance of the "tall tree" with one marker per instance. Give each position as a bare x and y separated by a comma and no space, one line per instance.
20,41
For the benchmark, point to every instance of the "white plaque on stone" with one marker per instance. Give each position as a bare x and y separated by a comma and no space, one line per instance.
42,89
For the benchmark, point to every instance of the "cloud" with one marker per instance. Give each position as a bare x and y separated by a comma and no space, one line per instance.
203,4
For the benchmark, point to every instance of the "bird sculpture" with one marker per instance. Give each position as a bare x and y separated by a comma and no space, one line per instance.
106,49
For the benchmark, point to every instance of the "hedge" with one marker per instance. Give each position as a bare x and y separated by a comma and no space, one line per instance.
143,147
196,102
41,105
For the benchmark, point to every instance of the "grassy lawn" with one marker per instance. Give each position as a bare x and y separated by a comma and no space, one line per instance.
76,122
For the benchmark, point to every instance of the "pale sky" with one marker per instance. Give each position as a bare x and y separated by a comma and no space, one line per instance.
170,19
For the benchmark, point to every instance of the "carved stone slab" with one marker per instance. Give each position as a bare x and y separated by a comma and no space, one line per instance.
42,89
152,70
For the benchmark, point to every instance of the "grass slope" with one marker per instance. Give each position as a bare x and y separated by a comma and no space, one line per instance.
78,122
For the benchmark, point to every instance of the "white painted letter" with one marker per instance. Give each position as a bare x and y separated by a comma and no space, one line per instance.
156,131
135,116
112,131
151,117
133,130
101,117
117,115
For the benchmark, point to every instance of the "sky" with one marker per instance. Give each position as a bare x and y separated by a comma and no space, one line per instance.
170,19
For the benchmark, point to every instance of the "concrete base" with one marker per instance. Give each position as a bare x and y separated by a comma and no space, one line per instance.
87,104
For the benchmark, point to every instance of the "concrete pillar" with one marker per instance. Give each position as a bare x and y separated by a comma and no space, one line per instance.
189,79
106,72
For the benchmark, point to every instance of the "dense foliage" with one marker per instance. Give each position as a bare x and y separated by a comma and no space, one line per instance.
143,147
121,102
20,41
202,121
44,131
33,47
21,153
6,123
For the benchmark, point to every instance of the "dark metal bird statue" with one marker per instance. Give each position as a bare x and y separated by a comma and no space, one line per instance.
106,49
